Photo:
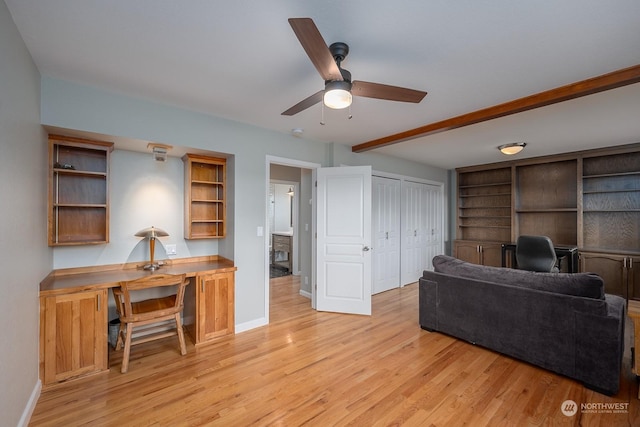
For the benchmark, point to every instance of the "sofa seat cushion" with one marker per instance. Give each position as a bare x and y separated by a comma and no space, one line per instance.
587,285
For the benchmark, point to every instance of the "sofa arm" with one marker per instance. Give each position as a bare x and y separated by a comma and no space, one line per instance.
600,347
428,297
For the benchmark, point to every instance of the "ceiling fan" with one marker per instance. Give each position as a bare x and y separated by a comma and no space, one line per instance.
338,87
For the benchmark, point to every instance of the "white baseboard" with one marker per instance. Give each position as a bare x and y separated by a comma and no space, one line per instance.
305,294
243,327
31,405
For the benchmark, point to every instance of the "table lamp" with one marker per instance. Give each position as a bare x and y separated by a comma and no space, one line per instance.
152,233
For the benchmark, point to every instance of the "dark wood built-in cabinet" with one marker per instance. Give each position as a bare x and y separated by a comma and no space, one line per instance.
78,191
484,253
588,199
611,202
546,200
484,205
205,197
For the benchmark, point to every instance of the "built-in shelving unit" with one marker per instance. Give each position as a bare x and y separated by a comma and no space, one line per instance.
484,205
589,199
78,191
546,201
611,202
205,197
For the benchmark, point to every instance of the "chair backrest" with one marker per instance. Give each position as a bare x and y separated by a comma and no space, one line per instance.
125,299
535,253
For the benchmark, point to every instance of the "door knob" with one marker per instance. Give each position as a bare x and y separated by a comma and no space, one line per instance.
366,249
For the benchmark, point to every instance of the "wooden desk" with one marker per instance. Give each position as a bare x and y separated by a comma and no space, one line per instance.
633,310
74,311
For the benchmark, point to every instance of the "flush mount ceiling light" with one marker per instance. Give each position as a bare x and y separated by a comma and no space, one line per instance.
513,148
159,151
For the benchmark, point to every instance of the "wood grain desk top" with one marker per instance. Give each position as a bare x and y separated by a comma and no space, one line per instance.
108,276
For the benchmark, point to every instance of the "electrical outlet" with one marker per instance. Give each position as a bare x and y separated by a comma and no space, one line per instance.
171,249
306,280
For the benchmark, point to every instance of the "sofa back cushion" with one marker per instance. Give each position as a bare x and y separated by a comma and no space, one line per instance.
587,285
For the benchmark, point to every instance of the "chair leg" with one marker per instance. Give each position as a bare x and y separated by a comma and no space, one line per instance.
183,347
120,335
127,349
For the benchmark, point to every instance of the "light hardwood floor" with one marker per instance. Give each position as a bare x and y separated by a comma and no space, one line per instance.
322,369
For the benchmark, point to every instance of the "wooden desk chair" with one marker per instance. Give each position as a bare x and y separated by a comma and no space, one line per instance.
142,315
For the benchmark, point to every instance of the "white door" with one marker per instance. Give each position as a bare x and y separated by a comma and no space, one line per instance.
343,254
434,238
422,237
386,234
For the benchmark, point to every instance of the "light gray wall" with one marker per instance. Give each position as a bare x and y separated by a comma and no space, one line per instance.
285,173
342,155
75,106
25,259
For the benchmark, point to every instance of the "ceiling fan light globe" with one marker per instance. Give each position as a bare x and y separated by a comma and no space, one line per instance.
337,98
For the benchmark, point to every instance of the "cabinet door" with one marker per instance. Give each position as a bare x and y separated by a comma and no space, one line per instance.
610,267
73,333
215,314
491,254
467,251
633,277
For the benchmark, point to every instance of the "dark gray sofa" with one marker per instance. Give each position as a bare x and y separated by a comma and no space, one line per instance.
559,321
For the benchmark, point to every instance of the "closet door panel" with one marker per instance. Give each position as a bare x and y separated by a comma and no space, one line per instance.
386,234
421,229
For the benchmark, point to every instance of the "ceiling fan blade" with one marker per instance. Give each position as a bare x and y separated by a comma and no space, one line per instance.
304,104
316,48
390,93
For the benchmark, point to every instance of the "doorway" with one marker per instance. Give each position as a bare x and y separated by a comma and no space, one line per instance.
283,224
290,217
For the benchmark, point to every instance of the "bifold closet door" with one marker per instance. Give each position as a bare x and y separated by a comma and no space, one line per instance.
434,233
421,229
386,234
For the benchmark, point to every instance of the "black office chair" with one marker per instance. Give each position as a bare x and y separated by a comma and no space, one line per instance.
536,253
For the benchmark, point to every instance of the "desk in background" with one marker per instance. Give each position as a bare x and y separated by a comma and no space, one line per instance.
562,252
282,242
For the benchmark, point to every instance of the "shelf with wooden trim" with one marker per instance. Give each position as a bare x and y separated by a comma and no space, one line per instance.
205,197
78,191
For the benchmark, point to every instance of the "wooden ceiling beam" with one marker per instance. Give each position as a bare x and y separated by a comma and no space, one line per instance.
590,86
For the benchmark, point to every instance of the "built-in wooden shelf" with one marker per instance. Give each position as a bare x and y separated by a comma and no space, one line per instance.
78,191
205,197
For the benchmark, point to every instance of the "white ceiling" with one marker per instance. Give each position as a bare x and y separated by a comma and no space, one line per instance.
241,60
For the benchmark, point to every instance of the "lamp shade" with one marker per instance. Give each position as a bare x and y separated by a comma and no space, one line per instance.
152,232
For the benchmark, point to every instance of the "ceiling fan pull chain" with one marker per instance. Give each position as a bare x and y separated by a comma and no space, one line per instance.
322,118
350,115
